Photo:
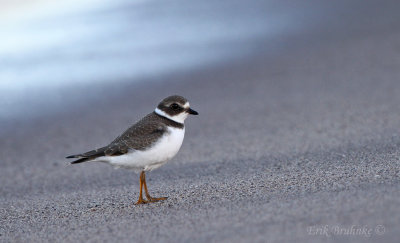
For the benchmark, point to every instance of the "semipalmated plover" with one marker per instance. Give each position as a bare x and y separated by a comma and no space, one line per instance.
148,144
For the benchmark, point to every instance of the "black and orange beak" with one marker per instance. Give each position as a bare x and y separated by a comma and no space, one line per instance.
192,112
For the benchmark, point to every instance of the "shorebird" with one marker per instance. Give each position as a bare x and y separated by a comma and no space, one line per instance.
147,144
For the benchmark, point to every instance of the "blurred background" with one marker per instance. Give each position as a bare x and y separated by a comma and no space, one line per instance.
298,127
47,47
50,50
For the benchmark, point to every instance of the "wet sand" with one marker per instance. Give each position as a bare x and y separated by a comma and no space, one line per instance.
304,138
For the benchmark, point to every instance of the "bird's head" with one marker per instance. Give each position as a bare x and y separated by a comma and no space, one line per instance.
175,108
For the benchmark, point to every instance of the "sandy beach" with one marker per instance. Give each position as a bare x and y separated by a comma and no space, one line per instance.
300,143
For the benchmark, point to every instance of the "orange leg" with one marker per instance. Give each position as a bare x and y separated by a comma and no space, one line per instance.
141,180
151,199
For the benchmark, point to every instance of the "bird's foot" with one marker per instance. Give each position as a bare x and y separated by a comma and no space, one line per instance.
141,201
156,199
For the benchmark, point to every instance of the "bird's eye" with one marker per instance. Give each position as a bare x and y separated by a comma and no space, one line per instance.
175,106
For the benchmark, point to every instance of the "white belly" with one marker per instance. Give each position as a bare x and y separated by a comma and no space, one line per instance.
152,158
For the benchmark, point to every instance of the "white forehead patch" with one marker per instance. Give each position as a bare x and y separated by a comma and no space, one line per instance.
186,105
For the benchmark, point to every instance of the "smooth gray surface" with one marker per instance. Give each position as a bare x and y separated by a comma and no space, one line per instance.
306,136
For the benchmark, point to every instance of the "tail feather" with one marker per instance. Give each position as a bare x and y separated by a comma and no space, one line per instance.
80,160
73,156
87,156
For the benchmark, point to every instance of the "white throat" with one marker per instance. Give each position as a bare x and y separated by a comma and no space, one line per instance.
178,118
